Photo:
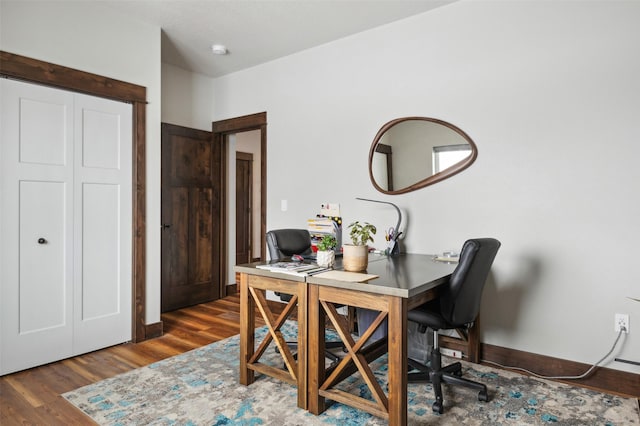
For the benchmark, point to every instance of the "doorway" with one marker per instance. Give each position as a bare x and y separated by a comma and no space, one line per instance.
222,131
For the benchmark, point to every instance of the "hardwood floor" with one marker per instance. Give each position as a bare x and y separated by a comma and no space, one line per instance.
32,397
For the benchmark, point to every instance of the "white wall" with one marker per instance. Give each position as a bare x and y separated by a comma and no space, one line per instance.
187,98
88,37
549,93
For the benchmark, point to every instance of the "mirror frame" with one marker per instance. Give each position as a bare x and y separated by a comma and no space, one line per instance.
430,180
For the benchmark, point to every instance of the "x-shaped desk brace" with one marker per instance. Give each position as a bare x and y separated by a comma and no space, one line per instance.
253,295
359,356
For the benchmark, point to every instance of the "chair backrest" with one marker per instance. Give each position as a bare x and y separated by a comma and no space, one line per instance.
460,300
287,242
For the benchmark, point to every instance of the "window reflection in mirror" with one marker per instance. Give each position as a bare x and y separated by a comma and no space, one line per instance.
447,155
413,152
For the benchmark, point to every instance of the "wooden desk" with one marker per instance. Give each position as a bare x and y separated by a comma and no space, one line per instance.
404,282
253,286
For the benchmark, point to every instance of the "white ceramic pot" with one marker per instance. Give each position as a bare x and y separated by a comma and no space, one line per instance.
326,258
355,258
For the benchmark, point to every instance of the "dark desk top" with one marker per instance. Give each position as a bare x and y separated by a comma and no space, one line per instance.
404,275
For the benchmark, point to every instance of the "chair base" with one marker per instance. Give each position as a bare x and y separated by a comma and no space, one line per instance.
436,375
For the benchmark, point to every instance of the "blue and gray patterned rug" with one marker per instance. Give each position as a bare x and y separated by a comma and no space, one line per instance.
201,387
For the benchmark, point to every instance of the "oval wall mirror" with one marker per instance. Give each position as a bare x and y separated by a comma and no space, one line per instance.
412,152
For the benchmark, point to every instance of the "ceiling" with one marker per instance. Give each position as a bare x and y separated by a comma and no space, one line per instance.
258,31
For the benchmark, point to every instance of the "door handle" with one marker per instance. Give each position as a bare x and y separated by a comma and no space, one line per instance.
42,241
166,225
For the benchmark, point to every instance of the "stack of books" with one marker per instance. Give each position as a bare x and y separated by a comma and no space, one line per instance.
318,227
323,225
294,268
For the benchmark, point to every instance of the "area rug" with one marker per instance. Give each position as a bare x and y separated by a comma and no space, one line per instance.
201,387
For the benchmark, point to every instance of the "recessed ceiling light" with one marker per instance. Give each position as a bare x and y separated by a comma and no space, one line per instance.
219,49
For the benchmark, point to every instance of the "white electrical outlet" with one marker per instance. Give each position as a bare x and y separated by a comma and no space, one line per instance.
451,353
622,320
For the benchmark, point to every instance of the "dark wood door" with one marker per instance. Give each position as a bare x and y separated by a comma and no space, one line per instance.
191,209
244,211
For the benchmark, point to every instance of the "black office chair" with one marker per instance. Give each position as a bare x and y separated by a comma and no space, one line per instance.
284,243
456,307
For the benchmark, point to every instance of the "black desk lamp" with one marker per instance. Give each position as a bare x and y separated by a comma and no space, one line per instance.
394,238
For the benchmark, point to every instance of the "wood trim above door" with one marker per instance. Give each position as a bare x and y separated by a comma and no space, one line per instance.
221,129
36,71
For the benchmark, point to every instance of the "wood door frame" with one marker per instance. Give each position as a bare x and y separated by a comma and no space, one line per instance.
221,130
52,75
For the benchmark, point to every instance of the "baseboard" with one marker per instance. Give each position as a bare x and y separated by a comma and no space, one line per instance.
603,379
153,330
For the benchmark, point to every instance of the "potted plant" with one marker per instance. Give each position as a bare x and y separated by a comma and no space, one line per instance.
356,255
326,255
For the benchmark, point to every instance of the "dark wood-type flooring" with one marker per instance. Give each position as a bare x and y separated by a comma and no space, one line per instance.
32,397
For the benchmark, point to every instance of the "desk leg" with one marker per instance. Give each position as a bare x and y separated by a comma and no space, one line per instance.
315,338
303,345
398,379
247,330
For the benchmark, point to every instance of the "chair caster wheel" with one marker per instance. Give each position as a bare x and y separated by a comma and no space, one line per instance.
483,396
437,407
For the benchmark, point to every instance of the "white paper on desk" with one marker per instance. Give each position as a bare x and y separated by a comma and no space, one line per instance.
354,277
447,259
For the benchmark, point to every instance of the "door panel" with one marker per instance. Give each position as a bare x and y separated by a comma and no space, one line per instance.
103,223
202,238
190,163
101,142
45,143
100,251
175,238
36,280
191,209
244,212
44,288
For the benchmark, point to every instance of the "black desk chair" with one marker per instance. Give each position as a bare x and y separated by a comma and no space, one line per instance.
457,307
284,243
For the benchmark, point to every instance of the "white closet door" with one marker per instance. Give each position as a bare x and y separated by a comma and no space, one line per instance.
103,223
36,291
65,224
